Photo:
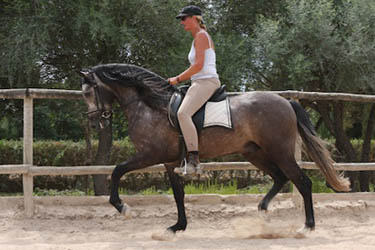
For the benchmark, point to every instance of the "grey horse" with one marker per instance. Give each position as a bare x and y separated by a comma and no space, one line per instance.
265,130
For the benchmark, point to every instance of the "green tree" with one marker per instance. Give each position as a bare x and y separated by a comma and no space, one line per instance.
234,22
46,42
323,46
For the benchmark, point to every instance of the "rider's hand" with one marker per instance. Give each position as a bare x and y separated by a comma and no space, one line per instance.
173,80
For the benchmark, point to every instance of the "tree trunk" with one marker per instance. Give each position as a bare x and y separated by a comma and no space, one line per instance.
344,145
88,160
364,179
102,157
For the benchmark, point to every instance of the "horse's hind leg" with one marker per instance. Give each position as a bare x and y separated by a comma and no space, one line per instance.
271,169
179,194
291,169
279,181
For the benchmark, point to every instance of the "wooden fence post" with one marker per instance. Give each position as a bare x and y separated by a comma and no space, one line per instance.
296,196
28,184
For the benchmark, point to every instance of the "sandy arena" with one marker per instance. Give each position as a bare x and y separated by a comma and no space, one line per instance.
343,221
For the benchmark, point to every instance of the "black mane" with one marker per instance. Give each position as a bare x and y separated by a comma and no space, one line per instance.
153,90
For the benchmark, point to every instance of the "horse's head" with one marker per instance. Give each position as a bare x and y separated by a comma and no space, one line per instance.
98,99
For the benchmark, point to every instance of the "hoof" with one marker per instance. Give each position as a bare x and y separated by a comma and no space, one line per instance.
303,232
167,235
126,211
262,214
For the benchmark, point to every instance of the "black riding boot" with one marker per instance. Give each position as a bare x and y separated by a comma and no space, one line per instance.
191,164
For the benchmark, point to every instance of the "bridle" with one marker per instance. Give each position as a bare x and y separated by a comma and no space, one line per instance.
105,115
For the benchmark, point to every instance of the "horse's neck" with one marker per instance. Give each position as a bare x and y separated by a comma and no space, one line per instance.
139,115
130,102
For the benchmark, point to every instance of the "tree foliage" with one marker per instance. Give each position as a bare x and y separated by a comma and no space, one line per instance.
45,43
317,46
325,46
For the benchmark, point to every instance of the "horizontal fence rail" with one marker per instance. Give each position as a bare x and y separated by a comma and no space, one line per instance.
40,93
28,170
210,166
77,94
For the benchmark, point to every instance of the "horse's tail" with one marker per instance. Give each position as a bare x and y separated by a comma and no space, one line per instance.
315,149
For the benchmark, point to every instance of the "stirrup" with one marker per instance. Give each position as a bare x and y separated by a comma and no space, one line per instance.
199,169
185,168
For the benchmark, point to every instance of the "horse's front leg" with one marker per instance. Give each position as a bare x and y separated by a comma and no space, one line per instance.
137,162
179,194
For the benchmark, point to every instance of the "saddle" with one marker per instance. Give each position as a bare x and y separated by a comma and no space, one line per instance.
198,117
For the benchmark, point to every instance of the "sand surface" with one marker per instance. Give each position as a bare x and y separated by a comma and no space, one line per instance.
66,225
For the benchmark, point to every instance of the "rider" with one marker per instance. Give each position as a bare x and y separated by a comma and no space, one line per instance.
204,78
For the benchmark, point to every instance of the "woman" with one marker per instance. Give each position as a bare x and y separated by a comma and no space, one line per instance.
205,80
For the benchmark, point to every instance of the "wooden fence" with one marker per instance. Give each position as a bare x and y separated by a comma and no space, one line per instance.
28,170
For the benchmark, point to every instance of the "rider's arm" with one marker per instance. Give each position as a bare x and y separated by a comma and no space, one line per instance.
200,44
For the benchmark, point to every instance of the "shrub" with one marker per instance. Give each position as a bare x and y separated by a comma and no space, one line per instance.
69,153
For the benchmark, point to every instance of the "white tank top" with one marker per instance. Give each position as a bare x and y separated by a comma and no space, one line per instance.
209,66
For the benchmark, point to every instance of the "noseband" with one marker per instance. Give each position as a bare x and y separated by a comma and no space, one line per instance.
106,114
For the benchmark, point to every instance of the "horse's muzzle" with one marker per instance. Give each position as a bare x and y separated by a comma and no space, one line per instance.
99,124
99,119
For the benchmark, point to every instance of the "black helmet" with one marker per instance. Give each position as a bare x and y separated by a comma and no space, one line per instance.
190,10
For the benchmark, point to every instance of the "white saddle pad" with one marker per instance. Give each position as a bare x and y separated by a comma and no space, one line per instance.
217,114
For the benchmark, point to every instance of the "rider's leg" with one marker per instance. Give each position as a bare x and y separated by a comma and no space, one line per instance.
198,94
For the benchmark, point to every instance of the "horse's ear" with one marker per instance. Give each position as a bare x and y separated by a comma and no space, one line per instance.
84,74
87,76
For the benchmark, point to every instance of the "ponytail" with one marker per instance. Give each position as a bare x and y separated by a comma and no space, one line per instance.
201,22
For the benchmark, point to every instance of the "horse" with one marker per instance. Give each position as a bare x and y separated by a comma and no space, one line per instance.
265,128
